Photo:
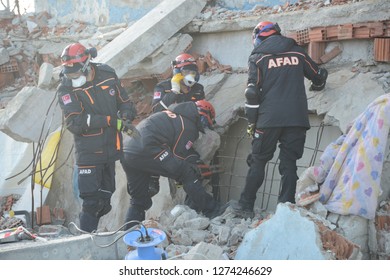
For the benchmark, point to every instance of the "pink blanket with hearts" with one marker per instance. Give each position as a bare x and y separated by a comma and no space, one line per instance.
352,185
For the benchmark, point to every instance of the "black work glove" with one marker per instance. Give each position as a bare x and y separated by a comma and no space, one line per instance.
321,85
130,129
202,170
124,126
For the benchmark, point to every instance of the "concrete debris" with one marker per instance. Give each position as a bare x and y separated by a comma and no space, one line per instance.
382,225
45,75
154,28
299,238
17,121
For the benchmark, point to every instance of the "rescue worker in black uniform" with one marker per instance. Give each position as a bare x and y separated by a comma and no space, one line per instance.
277,110
165,148
182,87
96,109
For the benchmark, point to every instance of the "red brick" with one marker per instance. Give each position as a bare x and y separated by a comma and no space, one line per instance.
6,79
382,49
330,55
43,217
332,33
345,32
316,51
317,34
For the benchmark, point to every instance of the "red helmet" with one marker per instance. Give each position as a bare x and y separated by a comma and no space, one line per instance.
74,53
207,110
265,29
183,60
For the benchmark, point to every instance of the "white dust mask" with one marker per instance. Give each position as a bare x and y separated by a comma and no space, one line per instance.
79,81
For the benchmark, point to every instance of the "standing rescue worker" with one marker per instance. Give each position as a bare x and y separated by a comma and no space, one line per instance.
277,110
182,87
164,148
96,109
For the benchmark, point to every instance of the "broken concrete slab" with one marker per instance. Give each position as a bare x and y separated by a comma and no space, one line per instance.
160,61
45,75
287,235
356,12
4,56
229,100
30,115
204,251
212,83
340,101
81,247
207,145
149,33
355,229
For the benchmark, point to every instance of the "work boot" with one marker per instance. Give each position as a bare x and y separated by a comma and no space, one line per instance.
217,211
88,222
240,211
134,214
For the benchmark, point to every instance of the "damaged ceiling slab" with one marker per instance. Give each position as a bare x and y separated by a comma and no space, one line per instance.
149,33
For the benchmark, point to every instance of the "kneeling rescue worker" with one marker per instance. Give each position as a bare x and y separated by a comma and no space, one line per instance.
165,148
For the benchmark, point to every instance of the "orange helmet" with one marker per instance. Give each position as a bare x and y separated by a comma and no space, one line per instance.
76,57
183,60
265,29
74,53
206,109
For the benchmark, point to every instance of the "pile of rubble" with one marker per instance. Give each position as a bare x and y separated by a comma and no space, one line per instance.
29,40
193,236
216,12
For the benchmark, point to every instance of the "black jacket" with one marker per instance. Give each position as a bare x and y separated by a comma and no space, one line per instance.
163,96
86,109
167,136
277,67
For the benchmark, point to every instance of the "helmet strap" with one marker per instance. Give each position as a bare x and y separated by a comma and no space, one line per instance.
86,63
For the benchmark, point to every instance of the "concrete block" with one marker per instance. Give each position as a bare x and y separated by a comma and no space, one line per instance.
149,33
287,235
4,56
30,113
81,247
160,60
229,100
207,145
45,75
205,251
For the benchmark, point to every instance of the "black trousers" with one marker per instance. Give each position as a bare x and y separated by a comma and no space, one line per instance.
139,171
291,144
96,185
